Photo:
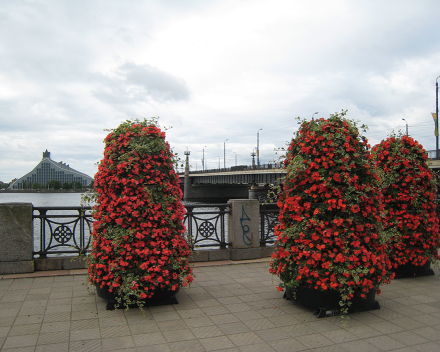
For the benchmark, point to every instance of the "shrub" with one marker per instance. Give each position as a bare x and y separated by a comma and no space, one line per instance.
409,190
330,235
139,246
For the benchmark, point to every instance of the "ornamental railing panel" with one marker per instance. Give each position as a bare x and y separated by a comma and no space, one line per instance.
268,220
67,230
206,225
62,230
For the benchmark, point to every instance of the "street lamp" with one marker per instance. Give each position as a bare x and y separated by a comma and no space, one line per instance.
224,154
436,118
258,147
203,159
406,126
314,114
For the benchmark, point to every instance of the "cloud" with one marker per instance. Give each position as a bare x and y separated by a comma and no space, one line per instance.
134,84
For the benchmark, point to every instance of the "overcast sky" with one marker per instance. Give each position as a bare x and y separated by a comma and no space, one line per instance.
213,70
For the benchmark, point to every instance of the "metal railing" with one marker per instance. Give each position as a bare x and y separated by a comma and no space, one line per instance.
67,230
269,213
207,228
62,230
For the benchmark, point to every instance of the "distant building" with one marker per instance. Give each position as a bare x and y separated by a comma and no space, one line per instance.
48,170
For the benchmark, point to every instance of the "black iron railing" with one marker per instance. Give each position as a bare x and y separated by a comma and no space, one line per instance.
67,230
205,226
62,230
268,219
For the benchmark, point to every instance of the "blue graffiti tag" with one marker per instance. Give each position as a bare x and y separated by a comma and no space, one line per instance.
244,217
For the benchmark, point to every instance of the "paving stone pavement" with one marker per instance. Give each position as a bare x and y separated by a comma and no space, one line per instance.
228,308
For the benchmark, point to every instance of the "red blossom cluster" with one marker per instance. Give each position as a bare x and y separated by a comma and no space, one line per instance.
330,234
409,190
138,236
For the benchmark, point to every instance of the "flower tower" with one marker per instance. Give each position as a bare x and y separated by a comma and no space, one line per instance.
409,189
139,251
330,236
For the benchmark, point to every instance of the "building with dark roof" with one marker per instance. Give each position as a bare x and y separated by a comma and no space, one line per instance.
48,170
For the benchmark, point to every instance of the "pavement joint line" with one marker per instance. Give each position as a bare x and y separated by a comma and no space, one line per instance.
67,272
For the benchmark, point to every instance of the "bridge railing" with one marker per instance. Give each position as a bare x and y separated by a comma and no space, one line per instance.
67,230
237,168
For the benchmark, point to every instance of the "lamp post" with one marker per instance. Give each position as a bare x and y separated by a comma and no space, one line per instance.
406,126
436,118
314,114
258,147
203,159
224,154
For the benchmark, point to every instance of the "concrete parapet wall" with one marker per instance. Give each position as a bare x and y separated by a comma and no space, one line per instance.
16,238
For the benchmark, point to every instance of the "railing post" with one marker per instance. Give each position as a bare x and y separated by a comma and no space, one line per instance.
16,238
243,229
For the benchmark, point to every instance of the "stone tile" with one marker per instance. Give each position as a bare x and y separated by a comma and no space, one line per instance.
191,313
428,347
385,343
198,322
233,328
178,335
206,331
287,345
314,340
114,331
85,334
24,320
115,321
28,329
386,327
55,326
273,334
364,331
146,328
339,336
56,347
84,324
408,323
218,310
117,343
258,347
53,337
86,345
259,324
409,338
246,338
53,317
171,325
20,341
360,346
214,343
186,346
224,318
428,332
153,338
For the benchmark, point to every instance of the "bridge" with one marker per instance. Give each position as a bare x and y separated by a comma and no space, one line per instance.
237,182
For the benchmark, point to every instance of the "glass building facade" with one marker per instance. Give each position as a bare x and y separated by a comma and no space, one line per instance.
48,170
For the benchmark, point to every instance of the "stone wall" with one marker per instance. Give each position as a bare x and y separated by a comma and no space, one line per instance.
16,238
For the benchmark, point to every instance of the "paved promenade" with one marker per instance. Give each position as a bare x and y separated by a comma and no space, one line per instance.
233,307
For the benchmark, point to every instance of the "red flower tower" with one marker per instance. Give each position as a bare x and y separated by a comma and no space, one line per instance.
139,251
330,236
409,190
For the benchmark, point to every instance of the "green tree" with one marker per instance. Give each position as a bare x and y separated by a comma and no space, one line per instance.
66,185
54,184
36,186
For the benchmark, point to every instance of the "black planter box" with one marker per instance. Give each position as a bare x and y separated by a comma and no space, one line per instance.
411,270
160,297
327,302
